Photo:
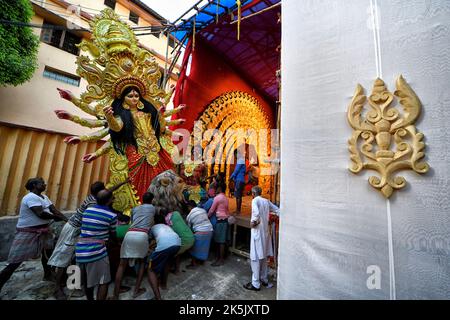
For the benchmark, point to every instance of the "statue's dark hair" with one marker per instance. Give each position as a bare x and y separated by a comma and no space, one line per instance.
125,137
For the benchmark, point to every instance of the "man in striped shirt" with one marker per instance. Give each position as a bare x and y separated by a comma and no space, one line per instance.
64,251
97,227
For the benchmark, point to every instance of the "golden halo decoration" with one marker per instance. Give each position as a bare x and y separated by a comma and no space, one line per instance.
116,61
129,81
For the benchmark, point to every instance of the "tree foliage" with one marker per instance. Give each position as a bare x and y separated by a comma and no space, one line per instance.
18,44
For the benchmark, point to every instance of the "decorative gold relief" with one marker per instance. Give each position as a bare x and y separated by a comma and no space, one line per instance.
386,140
235,110
125,197
194,193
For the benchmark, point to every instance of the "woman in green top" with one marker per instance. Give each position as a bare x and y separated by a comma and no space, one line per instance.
176,221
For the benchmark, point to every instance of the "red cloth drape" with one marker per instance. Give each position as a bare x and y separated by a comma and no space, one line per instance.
210,76
141,173
177,98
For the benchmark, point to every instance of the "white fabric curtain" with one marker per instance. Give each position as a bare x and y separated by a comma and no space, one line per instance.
334,226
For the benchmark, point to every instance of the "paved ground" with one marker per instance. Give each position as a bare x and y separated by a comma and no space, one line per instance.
204,283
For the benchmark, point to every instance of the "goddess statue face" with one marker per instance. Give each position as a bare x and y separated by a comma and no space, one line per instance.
132,98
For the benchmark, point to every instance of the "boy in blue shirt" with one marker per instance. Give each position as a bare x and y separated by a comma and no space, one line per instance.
238,177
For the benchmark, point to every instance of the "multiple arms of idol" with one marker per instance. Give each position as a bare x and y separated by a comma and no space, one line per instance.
111,122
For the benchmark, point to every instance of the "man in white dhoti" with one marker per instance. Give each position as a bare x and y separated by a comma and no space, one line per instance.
260,244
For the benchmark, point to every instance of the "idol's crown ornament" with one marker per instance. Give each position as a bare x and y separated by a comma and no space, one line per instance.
117,63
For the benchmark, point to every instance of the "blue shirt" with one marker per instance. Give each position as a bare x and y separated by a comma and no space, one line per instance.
97,222
239,171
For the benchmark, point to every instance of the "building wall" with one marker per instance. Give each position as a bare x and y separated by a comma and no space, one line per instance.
30,153
157,44
94,5
33,103
334,225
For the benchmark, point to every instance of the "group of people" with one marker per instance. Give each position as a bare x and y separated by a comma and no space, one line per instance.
155,240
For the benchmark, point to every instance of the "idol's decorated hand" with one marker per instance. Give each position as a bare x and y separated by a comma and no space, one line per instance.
72,140
182,106
63,114
113,123
108,110
170,93
88,158
66,94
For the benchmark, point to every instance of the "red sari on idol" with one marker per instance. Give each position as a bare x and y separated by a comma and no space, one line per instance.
149,159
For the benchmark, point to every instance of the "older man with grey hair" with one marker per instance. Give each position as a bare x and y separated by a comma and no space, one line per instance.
260,244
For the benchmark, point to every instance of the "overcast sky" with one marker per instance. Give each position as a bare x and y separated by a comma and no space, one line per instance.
171,9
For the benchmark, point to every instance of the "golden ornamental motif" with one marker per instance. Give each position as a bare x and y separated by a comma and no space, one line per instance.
125,197
129,81
118,63
235,110
189,169
167,144
389,139
146,140
195,193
